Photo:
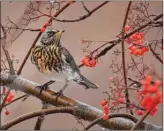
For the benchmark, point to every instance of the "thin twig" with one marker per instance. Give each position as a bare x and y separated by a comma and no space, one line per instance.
140,120
16,99
156,56
123,60
10,63
81,17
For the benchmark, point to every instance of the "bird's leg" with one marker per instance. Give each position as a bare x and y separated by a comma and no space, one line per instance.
45,86
60,92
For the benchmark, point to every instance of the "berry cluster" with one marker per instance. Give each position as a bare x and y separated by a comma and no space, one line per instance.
138,51
44,27
120,99
10,96
135,41
8,100
151,94
106,109
88,61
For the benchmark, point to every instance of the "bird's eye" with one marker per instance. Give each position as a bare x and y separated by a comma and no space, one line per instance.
51,33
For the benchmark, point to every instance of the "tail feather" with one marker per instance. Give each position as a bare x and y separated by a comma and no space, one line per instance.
85,82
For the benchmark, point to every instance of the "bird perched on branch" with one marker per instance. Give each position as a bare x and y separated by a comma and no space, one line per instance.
56,63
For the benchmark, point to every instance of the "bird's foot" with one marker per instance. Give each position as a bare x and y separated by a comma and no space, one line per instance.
42,87
59,93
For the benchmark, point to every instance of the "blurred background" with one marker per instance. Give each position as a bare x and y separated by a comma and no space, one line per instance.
104,25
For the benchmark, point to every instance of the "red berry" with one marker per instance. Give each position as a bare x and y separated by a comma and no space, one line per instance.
104,102
118,94
148,78
85,61
141,34
7,112
106,112
154,110
152,89
127,40
158,83
70,1
11,95
9,99
140,112
47,24
139,37
134,37
92,63
106,107
140,42
127,28
145,49
146,83
136,52
105,117
140,52
159,97
121,100
42,29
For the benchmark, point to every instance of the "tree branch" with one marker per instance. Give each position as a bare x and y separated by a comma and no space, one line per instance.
156,56
83,110
123,59
115,42
40,119
81,17
33,114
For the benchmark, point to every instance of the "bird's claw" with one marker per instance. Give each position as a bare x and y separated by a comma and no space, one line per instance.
59,93
42,87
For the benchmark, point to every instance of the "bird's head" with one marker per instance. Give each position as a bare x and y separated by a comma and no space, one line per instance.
51,36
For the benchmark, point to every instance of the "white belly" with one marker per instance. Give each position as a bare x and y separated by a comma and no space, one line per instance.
66,74
53,75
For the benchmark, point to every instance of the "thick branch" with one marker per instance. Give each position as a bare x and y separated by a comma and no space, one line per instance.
27,116
83,110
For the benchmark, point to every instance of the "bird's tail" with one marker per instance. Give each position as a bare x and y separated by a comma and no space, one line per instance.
85,82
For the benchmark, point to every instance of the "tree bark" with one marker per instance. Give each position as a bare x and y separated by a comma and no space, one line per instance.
83,110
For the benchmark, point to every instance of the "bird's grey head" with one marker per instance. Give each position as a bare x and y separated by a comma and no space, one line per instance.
51,36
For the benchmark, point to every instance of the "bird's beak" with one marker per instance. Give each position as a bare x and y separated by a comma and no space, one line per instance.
62,31
59,33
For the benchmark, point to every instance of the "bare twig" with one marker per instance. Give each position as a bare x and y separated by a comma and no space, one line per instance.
141,120
10,63
16,99
81,17
123,60
85,7
156,56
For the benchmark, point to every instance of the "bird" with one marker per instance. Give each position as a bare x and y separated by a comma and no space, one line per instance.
56,63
